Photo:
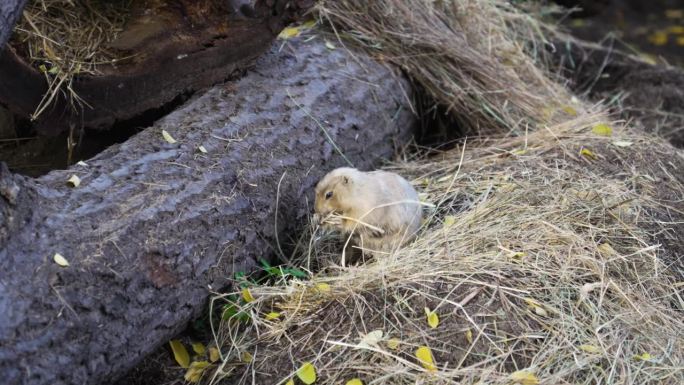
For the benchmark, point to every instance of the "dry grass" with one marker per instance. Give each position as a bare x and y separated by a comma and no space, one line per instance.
536,257
65,38
478,58
547,267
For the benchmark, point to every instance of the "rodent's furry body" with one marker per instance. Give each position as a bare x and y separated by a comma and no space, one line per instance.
384,200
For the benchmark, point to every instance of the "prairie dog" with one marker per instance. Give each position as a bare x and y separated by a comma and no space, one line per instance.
380,209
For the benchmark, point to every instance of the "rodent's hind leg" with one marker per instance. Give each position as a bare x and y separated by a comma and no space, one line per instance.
355,255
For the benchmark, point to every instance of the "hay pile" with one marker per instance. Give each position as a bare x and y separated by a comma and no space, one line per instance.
540,258
539,262
65,38
478,58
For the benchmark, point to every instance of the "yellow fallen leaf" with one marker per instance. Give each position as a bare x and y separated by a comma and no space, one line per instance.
519,152
354,381
60,260
449,220
424,355
194,373
548,112
329,45
393,343
246,357
606,249
469,336
272,315
658,38
202,149
214,354
518,255
323,287
371,339
289,32
307,373
674,13
247,295
590,348
570,111
198,348
309,24
524,377
676,29
680,41
290,382
577,23
622,143
602,129
643,357
167,137
588,153
432,318
180,353
74,181
648,58
536,306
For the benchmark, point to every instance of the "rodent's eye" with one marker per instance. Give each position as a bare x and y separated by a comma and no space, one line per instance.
328,195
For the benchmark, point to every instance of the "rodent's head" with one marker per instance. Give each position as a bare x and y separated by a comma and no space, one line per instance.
334,192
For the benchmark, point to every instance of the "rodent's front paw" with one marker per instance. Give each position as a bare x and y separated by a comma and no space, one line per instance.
332,220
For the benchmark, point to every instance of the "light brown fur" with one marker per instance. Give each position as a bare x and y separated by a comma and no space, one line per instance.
382,209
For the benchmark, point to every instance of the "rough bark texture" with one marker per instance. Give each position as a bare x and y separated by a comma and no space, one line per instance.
10,10
154,224
173,48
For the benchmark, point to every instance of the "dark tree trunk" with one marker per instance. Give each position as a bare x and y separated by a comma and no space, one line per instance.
174,48
10,10
153,225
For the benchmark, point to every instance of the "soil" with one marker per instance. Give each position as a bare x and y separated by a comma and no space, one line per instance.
651,28
621,72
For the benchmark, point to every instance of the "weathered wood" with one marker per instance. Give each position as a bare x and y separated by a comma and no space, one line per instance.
174,48
10,10
153,224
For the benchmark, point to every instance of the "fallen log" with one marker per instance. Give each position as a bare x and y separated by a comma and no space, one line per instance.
154,224
169,49
10,10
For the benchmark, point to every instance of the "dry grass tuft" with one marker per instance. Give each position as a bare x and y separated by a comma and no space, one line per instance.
65,38
540,261
478,58
540,256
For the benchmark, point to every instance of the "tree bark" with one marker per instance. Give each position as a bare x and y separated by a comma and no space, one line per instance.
153,225
10,11
174,48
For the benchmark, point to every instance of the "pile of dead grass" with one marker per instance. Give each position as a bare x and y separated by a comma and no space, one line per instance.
478,58
537,259
540,256
65,38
